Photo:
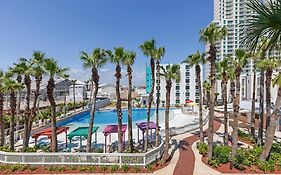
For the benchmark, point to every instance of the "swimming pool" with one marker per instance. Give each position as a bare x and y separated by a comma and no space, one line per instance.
103,118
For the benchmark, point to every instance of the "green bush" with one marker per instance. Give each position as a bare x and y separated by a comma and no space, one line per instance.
5,149
221,154
266,166
125,168
246,136
103,167
83,168
73,167
203,148
32,168
276,148
92,168
239,162
30,149
114,168
214,162
276,157
137,169
61,169
149,167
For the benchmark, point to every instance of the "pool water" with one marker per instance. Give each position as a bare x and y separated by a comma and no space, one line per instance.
103,118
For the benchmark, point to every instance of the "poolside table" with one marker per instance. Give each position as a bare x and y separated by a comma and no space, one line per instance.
109,129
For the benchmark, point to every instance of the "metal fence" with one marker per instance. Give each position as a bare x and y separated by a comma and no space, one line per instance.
132,159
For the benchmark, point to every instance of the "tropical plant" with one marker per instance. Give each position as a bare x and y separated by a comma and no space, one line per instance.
240,60
2,138
148,49
117,57
270,132
11,86
268,65
36,71
94,61
211,35
129,60
170,73
196,60
158,55
223,70
73,82
52,70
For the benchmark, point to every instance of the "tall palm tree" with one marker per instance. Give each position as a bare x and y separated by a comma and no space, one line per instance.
129,60
158,55
26,65
2,138
148,49
94,61
211,35
268,65
170,73
206,90
117,58
196,60
270,132
37,72
73,82
223,69
240,60
52,70
65,77
11,86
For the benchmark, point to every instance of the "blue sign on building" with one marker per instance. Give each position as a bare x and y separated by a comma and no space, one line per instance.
148,79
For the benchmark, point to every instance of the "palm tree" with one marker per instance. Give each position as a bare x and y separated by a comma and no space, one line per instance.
2,138
196,60
158,54
11,86
117,58
26,65
223,69
73,82
268,65
93,61
270,132
206,91
148,49
65,77
241,59
211,35
129,60
36,71
52,70
171,73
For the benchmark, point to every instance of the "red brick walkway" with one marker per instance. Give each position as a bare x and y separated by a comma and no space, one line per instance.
186,161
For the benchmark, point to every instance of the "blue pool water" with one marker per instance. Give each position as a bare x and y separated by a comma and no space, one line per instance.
103,118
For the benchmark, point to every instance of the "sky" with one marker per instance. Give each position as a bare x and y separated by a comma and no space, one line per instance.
64,28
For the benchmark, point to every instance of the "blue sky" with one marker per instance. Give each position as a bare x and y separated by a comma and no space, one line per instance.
63,28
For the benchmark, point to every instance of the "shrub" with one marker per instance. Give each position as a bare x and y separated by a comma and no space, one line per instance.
214,163
246,136
149,167
276,148
266,166
125,168
5,149
30,149
92,168
83,168
137,169
222,154
15,167
114,168
239,162
103,167
203,148
61,168
32,168
276,157
51,168
73,167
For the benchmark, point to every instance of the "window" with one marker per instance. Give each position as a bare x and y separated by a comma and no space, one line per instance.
187,74
187,94
196,94
187,81
186,67
177,94
177,87
187,87
197,100
177,101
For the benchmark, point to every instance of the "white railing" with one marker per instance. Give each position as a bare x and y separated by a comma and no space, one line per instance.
131,159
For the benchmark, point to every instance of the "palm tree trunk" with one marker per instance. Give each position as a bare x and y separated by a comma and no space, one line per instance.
198,76
34,105
64,103
27,82
270,132
2,139
253,111
130,122
211,102
268,96
13,104
167,135
150,100
91,94
50,90
225,113
157,102
95,77
261,108
74,104
118,108
19,80
235,116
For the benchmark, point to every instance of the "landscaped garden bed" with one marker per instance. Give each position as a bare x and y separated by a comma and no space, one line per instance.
246,161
